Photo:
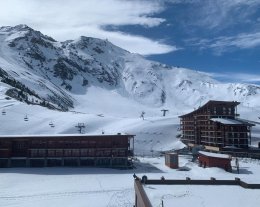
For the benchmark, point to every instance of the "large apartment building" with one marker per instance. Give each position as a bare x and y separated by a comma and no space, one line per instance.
216,125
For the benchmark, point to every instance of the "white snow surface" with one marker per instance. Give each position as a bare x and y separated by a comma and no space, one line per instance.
228,121
97,187
211,154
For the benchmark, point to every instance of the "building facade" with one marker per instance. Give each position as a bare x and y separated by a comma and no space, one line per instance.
216,125
66,150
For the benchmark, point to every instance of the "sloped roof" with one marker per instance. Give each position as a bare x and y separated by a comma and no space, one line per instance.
211,154
212,102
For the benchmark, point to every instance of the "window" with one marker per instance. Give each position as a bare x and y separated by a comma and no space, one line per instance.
51,153
67,153
121,153
38,144
59,153
107,153
41,153
75,152
91,152
99,153
84,152
34,153
92,143
224,110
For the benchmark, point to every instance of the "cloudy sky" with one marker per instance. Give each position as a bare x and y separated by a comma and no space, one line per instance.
220,37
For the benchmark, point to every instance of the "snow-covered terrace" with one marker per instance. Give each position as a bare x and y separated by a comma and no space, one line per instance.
62,135
230,121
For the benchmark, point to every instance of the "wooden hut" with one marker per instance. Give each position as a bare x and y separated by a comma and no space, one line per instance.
209,159
172,160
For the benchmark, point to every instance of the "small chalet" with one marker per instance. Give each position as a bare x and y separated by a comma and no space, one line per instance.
172,160
209,159
216,125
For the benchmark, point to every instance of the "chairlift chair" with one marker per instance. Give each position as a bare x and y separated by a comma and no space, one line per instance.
3,112
26,118
51,124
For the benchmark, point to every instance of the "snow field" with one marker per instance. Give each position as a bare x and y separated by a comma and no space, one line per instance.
30,187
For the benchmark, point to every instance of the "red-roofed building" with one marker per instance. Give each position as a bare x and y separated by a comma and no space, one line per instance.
209,159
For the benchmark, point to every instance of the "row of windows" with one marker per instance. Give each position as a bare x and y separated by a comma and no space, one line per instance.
64,144
77,153
237,135
215,128
221,110
77,144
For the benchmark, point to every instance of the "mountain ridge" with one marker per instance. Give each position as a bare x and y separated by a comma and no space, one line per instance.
53,72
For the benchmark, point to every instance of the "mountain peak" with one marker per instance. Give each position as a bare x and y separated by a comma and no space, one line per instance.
20,27
21,31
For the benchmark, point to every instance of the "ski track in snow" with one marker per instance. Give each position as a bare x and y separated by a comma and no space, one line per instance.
123,198
57,194
118,198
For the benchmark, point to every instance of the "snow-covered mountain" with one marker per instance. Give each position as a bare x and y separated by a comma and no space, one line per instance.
97,83
37,65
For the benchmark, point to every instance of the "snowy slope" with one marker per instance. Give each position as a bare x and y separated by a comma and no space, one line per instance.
92,81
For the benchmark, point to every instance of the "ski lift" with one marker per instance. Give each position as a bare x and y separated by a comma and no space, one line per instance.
51,124
26,118
3,112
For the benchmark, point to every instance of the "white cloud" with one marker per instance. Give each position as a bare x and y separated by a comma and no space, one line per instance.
225,44
237,77
223,13
136,44
69,19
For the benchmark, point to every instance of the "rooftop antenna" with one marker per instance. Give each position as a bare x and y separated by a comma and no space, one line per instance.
80,127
